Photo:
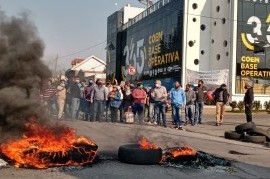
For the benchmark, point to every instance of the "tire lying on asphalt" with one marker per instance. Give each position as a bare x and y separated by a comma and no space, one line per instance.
244,127
133,154
268,132
259,131
232,135
255,139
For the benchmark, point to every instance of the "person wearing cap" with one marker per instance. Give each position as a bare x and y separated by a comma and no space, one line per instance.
221,96
248,100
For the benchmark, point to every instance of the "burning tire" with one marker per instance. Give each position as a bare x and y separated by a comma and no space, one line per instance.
45,146
259,131
255,139
133,154
244,127
232,135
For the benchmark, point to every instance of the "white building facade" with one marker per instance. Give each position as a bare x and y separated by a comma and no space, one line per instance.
229,34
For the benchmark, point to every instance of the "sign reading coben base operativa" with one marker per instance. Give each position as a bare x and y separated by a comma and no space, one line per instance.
253,61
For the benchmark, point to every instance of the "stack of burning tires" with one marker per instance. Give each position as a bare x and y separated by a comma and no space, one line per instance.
248,132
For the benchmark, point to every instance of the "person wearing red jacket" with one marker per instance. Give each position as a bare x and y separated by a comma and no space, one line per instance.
139,98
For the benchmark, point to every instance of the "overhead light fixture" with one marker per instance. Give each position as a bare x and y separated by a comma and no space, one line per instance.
148,3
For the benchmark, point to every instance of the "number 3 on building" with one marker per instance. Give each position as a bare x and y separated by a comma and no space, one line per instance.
253,38
256,29
268,30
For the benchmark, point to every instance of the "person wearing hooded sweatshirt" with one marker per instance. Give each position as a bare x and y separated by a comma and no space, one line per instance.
248,100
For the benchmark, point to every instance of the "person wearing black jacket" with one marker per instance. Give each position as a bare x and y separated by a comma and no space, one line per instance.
248,100
221,96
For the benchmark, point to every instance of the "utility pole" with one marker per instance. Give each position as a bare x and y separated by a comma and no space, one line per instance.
55,66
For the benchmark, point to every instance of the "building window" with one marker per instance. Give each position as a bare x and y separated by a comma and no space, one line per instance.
215,23
213,41
190,43
225,43
196,61
202,52
218,57
194,5
194,19
223,20
218,8
203,27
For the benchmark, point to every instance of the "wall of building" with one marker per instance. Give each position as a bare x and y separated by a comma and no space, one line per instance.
92,65
207,42
130,12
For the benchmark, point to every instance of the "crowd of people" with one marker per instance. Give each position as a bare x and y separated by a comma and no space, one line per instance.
113,102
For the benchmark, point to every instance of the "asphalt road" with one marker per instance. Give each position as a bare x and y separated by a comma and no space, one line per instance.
252,161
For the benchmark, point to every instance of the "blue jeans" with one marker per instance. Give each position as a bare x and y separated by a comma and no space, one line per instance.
177,114
198,111
107,111
151,112
121,110
160,109
190,112
114,114
88,113
52,107
138,108
75,104
83,104
99,107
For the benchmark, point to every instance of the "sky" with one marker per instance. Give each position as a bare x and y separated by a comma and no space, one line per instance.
68,26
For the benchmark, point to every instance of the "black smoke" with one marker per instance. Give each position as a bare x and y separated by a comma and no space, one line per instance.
22,71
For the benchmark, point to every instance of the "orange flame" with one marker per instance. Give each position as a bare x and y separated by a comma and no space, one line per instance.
42,147
145,144
182,151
